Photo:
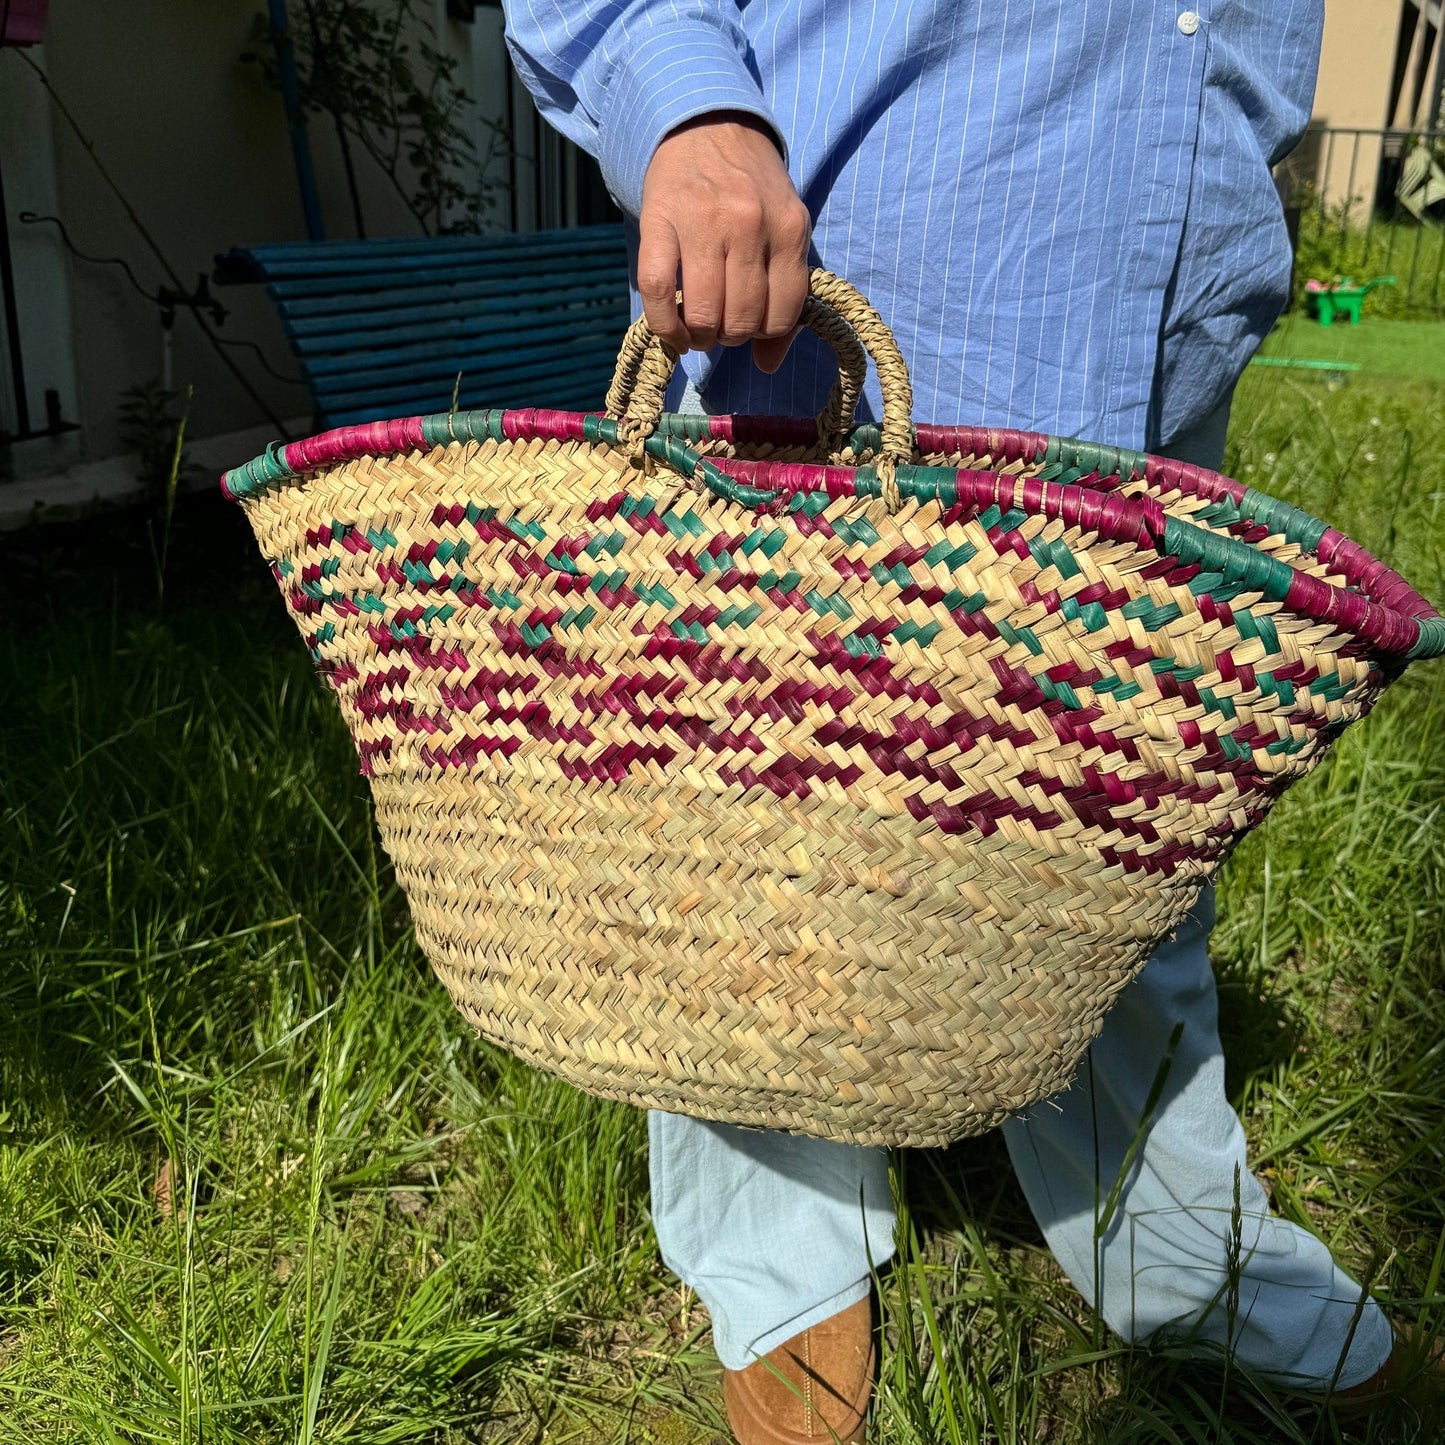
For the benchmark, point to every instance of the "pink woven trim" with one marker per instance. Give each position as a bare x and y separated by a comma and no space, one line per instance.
1003,444
1352,612
794,431
1386,587
1193,481
349,442
1137,520
534,421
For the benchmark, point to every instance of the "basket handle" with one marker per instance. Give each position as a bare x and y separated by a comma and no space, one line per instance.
635,394
841,315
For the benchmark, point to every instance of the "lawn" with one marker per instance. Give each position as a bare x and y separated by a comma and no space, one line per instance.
1404,350
259,1183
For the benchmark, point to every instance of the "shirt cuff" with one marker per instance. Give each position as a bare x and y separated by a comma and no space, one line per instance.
670,77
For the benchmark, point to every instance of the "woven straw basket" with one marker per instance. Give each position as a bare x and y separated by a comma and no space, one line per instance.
795,774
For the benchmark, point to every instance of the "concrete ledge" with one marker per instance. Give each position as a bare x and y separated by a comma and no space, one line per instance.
91,488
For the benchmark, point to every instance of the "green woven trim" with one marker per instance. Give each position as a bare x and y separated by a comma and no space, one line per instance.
681,458
1236,561
692,426
865,438
443,428
267,470
1431,641
920,484
696,427
1280,518
1083,457
1290,522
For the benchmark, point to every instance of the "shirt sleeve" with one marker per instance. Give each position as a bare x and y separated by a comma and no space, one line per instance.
616,76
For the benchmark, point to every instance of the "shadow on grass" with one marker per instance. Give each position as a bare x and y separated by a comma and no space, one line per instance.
1260,1027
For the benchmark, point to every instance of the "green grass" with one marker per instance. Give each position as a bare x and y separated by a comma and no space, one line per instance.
369,1227
1407,350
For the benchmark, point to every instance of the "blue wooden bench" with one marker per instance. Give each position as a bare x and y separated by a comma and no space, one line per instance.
383,328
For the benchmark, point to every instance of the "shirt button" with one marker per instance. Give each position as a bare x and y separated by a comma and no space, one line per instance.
1188,23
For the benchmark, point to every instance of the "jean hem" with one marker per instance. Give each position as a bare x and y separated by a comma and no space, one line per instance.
781,1334
824,1309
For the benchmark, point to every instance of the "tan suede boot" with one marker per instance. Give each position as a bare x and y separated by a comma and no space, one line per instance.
1414,1374
817,1389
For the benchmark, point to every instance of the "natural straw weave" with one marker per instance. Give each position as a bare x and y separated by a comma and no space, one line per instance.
836,798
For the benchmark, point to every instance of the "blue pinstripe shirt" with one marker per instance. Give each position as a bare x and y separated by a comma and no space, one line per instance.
1064,210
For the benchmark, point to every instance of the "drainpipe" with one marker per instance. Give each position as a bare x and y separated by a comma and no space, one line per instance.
296,121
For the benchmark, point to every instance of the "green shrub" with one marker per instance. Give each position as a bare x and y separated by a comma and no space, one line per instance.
1333,244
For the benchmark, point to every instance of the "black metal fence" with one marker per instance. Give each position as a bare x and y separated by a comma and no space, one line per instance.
1372,201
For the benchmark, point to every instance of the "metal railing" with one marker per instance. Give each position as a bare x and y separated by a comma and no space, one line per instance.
1375,198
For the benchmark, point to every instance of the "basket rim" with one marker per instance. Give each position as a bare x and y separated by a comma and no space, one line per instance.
1376,604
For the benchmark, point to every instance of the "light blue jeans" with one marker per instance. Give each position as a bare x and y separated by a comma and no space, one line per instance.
774,1231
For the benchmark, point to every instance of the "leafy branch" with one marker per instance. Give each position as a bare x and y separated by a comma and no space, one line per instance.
373,68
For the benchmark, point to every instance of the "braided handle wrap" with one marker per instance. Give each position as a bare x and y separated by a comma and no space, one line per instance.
842,317
877,339
645,364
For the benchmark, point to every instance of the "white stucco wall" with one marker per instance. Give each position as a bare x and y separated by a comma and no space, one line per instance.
199,147
1357,62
